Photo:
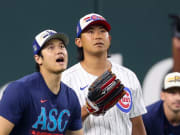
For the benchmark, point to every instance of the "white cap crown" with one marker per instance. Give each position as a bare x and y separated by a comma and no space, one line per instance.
172,80
46,35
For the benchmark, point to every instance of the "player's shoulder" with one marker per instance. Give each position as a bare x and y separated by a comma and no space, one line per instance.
69,91
154,111
122,69
72,69
154,118
155,106
66,88
30,78
25,81
75,69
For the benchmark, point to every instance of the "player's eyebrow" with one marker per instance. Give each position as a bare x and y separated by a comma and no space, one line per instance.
93,26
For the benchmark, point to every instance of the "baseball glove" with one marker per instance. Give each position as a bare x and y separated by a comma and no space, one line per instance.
104,93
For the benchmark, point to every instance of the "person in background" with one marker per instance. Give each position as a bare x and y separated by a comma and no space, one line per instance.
175,25
163,116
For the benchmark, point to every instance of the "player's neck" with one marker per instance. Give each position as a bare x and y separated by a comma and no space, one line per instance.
52,81
96,67
174,120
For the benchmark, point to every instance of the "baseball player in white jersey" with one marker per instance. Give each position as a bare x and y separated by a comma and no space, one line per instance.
93,41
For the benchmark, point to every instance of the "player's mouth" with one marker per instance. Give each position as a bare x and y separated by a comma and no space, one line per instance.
177,104
99,44
60,60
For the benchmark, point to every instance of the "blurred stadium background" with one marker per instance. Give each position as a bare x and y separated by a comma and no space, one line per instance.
141,34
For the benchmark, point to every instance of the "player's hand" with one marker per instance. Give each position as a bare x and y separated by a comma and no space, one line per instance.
104,93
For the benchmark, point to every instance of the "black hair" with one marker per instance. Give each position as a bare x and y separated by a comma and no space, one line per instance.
37,65
172,90
80,56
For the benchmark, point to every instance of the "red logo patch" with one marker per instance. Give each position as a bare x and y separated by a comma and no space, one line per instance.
125,103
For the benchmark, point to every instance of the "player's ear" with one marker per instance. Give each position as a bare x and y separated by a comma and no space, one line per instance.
38,59
162,95
78,42
110,38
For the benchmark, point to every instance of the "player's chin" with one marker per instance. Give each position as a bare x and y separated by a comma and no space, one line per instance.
59,71
176,110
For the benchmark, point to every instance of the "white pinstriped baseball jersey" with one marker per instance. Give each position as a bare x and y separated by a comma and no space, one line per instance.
116,121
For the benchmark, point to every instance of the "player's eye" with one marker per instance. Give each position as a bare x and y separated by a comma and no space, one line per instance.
90,31
50,47
103,30
62,46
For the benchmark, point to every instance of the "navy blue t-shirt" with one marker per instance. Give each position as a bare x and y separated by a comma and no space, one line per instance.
35,110
156,123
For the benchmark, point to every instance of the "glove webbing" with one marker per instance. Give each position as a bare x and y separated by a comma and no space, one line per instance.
101,80
95,91
116,93
102,110
109,91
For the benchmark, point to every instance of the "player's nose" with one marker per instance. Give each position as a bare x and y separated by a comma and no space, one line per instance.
97,35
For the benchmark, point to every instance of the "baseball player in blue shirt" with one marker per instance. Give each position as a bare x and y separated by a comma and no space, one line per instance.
39,103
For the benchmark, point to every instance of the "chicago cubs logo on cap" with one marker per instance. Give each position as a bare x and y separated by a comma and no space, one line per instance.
93,18
125,103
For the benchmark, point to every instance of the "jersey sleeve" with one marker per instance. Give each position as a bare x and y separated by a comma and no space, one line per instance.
13,102
76,122
138,106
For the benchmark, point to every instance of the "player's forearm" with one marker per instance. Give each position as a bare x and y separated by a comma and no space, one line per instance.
77,132
84,113
138,126
5,126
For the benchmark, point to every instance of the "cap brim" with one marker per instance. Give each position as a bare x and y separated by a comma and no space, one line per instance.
170,89
173,86
101,22
59,36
